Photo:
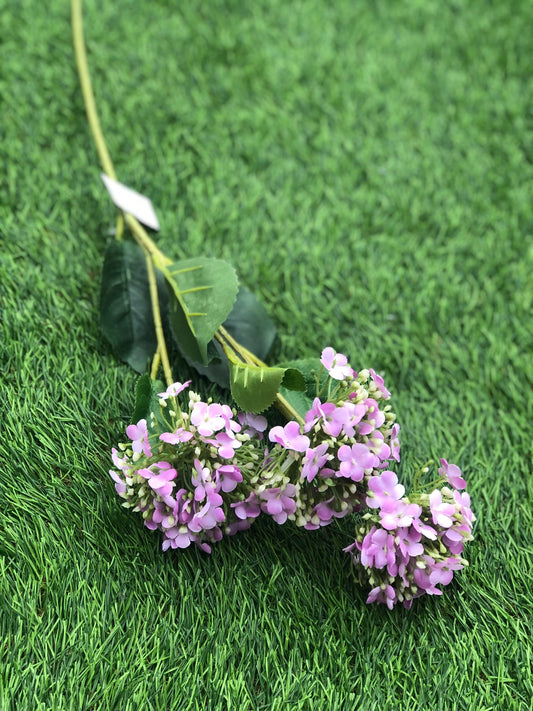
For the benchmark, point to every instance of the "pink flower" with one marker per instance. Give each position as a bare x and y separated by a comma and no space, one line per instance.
279,503
354,460
174,390
289,437
408,541
378,550
385,595
395,442
441,512
227,444
452,474
380,383
398,514
349,415
208,419
180,435
255,424
314,461
249,508
139,435
160,481
229,476
384,488
336,364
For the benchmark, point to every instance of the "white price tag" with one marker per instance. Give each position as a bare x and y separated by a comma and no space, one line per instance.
131,201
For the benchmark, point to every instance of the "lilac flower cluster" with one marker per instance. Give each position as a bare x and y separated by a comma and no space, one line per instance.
319,471
190,478
204,471
411,544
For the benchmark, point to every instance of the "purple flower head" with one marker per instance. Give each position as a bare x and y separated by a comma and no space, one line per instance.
386,595
178,537
384,488
462,502
378,550
380,383
160,477
227,444
230,424
229,476
424,529
452,474
376,444
249,508
208,419
180,435
206,518
279,503
174,390
289,437
374,416
336,364
120,485
398,514
441,512
314,461
254,425
354,460
441,572
408,542
348,416
139,436
395,442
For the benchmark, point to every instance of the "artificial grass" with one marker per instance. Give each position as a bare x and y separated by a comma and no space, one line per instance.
367,167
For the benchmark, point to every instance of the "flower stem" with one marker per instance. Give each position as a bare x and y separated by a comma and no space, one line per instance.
161,345
86,89
136,228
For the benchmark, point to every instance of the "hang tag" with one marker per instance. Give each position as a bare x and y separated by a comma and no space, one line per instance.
132,202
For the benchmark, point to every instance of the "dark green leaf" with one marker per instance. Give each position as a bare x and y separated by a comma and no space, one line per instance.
143,398
125,307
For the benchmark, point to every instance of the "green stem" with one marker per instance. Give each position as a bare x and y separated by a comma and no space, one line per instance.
161,345
136,228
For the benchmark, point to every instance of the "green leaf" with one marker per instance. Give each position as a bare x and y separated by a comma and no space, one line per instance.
202,293
147,402
250,325
143,398
310,368
125,308
254,389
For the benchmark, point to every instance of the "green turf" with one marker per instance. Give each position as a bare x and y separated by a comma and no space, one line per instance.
368,168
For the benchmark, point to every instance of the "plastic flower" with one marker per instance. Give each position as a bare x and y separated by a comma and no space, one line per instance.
384,488
336,364
289,437
174,390
409,547
452,474
139,435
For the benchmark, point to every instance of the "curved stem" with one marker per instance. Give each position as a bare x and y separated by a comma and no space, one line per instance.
86,89
136,228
